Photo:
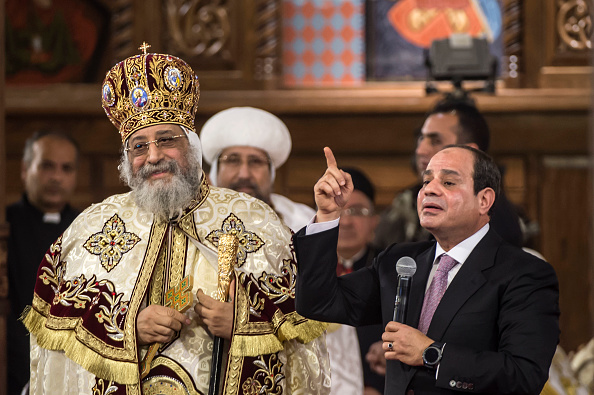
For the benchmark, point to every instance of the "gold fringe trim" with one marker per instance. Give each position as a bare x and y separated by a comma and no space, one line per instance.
254,345
107,369
304,332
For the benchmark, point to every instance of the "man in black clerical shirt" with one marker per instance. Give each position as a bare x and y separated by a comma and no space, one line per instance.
48,172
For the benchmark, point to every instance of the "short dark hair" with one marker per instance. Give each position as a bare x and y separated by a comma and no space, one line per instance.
472,128
28,151
485,173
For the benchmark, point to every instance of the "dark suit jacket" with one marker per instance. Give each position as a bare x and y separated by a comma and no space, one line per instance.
369,334
498,317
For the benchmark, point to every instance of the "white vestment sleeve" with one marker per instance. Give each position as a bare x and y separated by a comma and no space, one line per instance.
54,373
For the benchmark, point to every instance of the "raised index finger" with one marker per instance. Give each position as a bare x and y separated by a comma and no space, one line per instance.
330,160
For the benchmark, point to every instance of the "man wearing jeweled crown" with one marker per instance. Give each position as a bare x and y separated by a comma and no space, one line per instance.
100,301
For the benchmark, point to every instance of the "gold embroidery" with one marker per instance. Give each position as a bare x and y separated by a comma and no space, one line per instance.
248,241
228,245
163,385
183,378
55,274
234,369
267,377
157,281
276,287
180,296
75,292
112,243
110,315
104,387
256,303
171,265
178,258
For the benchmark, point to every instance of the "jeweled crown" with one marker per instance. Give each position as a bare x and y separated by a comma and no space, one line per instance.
150,89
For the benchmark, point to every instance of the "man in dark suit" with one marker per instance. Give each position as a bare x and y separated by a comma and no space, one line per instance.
488,323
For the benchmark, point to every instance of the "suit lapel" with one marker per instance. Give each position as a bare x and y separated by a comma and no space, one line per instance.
468,280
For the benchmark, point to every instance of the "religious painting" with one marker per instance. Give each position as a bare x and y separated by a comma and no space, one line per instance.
399,32
54,41
323,43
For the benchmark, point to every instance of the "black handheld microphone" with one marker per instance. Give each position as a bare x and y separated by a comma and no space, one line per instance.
405,267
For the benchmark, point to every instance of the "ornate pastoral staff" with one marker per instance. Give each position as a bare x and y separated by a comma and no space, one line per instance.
228,244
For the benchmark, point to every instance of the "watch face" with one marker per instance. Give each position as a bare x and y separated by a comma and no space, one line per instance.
431,355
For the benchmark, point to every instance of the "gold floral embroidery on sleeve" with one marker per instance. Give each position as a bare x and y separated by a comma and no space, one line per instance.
112,243
280,288
78,292
248,241
55,273
267,378
104,387
256,302
110,314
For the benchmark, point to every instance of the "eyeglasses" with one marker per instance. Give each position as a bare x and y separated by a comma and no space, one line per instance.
140,149
253,162
357,212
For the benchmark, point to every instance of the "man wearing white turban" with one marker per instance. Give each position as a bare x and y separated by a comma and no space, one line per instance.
245,146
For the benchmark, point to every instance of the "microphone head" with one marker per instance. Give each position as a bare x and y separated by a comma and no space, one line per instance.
406,266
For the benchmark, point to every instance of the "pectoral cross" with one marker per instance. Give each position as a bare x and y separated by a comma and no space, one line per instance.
180,298
144,47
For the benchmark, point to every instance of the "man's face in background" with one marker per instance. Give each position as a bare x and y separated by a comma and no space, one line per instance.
50,177
438,131
245,169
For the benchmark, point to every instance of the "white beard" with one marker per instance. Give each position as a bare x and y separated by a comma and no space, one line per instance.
166,199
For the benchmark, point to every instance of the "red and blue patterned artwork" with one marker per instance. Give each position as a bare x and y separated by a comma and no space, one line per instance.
323,42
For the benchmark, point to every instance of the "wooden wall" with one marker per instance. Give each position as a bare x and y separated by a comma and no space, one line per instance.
3,226
539,119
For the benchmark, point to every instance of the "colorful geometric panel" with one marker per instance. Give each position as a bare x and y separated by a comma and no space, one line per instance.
180,296
323,42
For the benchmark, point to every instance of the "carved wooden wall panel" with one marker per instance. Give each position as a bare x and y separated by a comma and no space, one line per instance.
573,25
202,31
121,40
566,222
231,44
567,44
513,45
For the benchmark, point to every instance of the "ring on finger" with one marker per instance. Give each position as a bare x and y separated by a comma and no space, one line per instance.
390,346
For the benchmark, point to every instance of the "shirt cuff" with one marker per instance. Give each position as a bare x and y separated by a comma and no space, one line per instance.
439,364
316,227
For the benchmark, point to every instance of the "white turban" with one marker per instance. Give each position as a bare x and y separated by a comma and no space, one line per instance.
246,126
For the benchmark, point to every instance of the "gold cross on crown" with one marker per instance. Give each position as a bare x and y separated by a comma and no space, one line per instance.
144,47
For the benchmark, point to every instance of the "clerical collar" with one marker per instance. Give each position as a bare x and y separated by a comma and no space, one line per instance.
52,218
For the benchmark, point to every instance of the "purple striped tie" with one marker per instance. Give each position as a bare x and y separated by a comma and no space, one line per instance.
436,290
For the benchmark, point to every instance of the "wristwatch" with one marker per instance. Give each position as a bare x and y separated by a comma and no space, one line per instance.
432,355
